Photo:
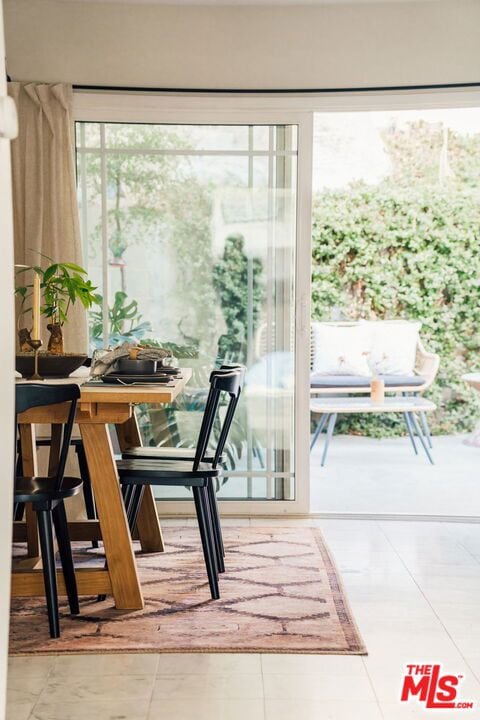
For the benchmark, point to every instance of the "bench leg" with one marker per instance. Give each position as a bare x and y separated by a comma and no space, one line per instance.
410,431
318,429
330,428
415,424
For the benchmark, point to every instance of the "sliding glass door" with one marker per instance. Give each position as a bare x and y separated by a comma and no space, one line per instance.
191,235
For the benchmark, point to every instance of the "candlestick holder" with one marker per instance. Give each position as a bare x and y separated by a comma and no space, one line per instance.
35,345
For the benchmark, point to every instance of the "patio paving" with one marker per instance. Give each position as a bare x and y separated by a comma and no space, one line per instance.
365,475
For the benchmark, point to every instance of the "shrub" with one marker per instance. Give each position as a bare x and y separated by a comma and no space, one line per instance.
412,252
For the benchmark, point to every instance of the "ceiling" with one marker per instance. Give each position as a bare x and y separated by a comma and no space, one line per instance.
249,2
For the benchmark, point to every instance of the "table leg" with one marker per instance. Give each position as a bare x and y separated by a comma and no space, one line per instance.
330,429
408,423
426,429
415,424
116,538
148,524
318,429
29,469
55,447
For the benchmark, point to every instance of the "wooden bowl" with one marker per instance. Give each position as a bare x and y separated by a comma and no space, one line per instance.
49,366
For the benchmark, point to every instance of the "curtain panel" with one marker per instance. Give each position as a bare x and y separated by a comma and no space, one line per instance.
45,206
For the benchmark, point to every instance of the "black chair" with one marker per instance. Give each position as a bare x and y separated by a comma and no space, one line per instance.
178,453
47,495
77,443
197,473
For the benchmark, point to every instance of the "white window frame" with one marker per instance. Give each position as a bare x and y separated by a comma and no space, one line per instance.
185,110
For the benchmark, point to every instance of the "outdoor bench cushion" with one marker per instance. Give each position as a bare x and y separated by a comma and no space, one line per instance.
342,381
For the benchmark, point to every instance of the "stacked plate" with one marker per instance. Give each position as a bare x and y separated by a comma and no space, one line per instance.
162,376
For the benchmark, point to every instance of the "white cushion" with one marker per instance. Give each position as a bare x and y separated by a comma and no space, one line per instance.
394,346
341,350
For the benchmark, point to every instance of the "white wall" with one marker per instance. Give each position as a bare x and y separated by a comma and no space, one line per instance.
7,336
244,47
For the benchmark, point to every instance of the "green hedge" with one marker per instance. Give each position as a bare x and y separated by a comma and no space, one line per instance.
392,251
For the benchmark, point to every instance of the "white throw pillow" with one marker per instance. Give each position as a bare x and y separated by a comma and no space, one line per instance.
341,350
394,346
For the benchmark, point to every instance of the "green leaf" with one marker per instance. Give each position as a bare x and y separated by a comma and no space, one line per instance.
49,272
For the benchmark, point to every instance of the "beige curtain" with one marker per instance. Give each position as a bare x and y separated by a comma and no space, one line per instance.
44,194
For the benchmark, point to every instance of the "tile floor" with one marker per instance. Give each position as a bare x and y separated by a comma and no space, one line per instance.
414,589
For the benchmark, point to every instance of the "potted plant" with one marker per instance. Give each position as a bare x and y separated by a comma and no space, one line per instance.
61,286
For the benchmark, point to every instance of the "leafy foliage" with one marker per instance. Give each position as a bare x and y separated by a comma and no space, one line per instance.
231,281
155,200
62,285
125,322
408,248
406,252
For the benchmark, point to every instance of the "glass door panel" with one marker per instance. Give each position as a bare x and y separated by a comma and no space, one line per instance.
190,235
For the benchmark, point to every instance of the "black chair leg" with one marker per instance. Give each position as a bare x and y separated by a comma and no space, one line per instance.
207,544
18,511
134,506
217,530
19,508
210,534
129,498
65,551
19,463
49,575
90,508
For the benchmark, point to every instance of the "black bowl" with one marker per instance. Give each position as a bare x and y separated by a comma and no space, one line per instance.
136,367
49,366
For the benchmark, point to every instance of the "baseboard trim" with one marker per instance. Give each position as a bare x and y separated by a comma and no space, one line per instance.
403,517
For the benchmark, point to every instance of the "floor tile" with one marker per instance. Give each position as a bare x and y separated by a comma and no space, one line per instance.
24,688
209,663
317,687
415,711
19,711
413,588
88,689
320,710
101,709
101,665
34,666
232,686
280,663
207,709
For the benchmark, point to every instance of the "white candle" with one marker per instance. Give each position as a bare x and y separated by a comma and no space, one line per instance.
36,307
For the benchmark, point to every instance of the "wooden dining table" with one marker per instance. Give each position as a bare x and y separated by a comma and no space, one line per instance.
99,406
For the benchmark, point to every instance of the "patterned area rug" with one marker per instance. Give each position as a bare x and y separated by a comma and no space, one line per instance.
280,593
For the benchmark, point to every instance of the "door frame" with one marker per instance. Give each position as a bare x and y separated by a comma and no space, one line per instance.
215,110
7,406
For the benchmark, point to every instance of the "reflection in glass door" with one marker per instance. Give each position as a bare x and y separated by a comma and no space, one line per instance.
190,235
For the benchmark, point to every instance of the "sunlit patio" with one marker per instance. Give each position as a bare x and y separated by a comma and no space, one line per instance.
369,476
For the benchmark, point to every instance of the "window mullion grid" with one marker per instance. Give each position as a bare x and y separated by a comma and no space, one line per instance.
105,278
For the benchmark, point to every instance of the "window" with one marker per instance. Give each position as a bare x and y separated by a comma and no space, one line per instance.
190,235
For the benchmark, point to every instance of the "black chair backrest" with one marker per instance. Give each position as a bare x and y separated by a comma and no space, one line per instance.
31,395
232,407
223,380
